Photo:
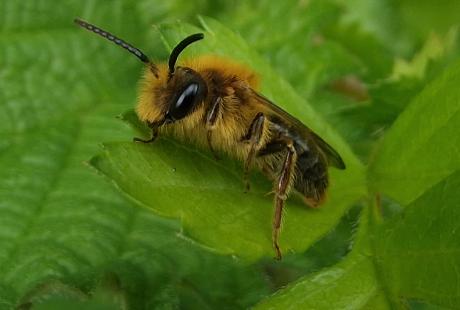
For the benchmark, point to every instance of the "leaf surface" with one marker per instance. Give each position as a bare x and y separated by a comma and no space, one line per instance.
418,252
350,284
421,148
60,90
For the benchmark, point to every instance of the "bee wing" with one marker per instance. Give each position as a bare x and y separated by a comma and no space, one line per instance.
333,157
271,109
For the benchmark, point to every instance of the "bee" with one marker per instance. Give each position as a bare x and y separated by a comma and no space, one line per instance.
214,102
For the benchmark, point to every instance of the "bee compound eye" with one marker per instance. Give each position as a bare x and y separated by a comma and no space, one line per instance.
185,102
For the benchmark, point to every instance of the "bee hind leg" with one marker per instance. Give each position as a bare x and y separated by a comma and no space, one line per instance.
253,137
282,187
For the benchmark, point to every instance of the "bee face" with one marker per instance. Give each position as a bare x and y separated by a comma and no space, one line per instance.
170,97
187,90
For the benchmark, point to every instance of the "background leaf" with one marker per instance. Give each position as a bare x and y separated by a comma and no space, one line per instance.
418,251
412,257
421,148
353,283
59,221
70,240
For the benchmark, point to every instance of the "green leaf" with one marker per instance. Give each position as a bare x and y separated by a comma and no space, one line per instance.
375,58
362,123
312,47
304,55
350,284
421,148
65,232
179,181
437,17
60,90
418,251
414,256
381,19
409,77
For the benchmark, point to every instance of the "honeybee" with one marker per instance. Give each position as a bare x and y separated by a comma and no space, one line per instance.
213,102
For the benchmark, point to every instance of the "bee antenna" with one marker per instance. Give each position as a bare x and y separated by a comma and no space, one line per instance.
133,50
180,47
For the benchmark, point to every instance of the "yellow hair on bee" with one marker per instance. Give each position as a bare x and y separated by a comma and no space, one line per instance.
225,67
154,93
150,88
153,90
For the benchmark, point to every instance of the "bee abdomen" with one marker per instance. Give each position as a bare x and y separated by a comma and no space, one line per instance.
312,177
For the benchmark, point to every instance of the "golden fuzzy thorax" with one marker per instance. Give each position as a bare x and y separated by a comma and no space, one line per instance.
232,81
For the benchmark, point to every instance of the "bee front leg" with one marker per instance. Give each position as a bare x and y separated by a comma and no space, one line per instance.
254,137
212,116
154,134
282,186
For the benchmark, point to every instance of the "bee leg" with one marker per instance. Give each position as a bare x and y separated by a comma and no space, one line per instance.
153,138
211,119
254,137
154,135
282,186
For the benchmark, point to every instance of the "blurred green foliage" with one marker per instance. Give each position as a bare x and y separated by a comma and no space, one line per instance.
378,78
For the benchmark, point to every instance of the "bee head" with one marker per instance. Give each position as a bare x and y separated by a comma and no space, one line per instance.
164,99
186,86
171,92
186,89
